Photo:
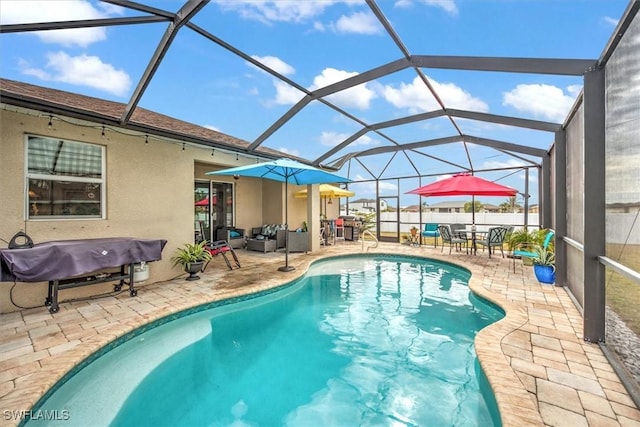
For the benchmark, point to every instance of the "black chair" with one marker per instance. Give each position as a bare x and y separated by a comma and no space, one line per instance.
448,237
495,239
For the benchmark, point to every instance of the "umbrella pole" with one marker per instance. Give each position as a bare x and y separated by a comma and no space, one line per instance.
286,266
473,210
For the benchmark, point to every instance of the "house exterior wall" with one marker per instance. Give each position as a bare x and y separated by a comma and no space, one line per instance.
248,194
149,194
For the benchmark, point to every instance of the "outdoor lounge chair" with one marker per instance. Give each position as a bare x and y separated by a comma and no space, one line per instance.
431,230
448,237
495,239
221,247
525,250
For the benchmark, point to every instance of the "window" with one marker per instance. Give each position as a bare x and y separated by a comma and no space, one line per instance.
65,179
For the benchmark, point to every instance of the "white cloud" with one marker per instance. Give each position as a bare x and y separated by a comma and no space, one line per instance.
358,23
277,11
285,94
495,164
357,97
416,97
276,64
574,90
448,6
441,177
610,21
363,189
533,178
543,101
212,128
82,70
331,139
289,151
17,12
319,26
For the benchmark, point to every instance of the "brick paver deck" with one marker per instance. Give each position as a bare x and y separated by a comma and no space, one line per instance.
540,369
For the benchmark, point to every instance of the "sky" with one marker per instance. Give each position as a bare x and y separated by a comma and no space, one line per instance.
318,43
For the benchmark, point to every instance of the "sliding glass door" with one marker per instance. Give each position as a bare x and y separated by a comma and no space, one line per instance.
213,208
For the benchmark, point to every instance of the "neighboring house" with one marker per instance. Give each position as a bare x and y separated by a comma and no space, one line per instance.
446,207
366,205
70,170
412,208
490,208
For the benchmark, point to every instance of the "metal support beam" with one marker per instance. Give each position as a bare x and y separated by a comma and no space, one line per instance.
505,120
491,118
526,197
191,8
567,67
545,203
594,205
84,23
560,200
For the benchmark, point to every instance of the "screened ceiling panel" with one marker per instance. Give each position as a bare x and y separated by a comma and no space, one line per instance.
347,84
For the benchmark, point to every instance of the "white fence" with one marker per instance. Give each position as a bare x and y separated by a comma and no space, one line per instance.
618,224
483,220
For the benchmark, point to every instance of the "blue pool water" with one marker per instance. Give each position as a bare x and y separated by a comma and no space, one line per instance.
362,340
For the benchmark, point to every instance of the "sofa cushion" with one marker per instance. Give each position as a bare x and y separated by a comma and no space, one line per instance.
266,230
270,230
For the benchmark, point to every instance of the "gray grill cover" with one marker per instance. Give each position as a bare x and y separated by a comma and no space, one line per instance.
68,258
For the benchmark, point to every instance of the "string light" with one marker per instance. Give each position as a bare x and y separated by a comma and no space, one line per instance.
103,133
213,151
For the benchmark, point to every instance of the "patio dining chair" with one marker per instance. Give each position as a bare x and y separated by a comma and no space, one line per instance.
431,230
448,237
495,239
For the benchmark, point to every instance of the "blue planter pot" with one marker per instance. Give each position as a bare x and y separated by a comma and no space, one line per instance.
545,274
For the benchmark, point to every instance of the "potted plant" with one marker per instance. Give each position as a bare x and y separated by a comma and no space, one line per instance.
367,222
414,237
521,238
192,257
544,265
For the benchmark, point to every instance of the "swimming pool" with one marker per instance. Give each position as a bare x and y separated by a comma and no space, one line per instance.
359,340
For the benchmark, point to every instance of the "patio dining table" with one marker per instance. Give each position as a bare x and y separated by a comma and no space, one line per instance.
474,236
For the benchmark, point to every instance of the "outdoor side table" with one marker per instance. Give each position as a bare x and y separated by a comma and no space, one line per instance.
261,245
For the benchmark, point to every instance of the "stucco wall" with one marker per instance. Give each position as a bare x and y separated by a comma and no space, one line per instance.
149,189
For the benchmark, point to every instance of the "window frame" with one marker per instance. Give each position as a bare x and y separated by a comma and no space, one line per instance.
102,181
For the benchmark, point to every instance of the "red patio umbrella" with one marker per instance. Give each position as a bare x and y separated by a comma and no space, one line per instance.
464,184
203,202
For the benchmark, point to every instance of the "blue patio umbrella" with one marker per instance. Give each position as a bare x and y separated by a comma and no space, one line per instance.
287,171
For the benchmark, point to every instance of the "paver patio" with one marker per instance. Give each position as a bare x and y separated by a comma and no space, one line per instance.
540,369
